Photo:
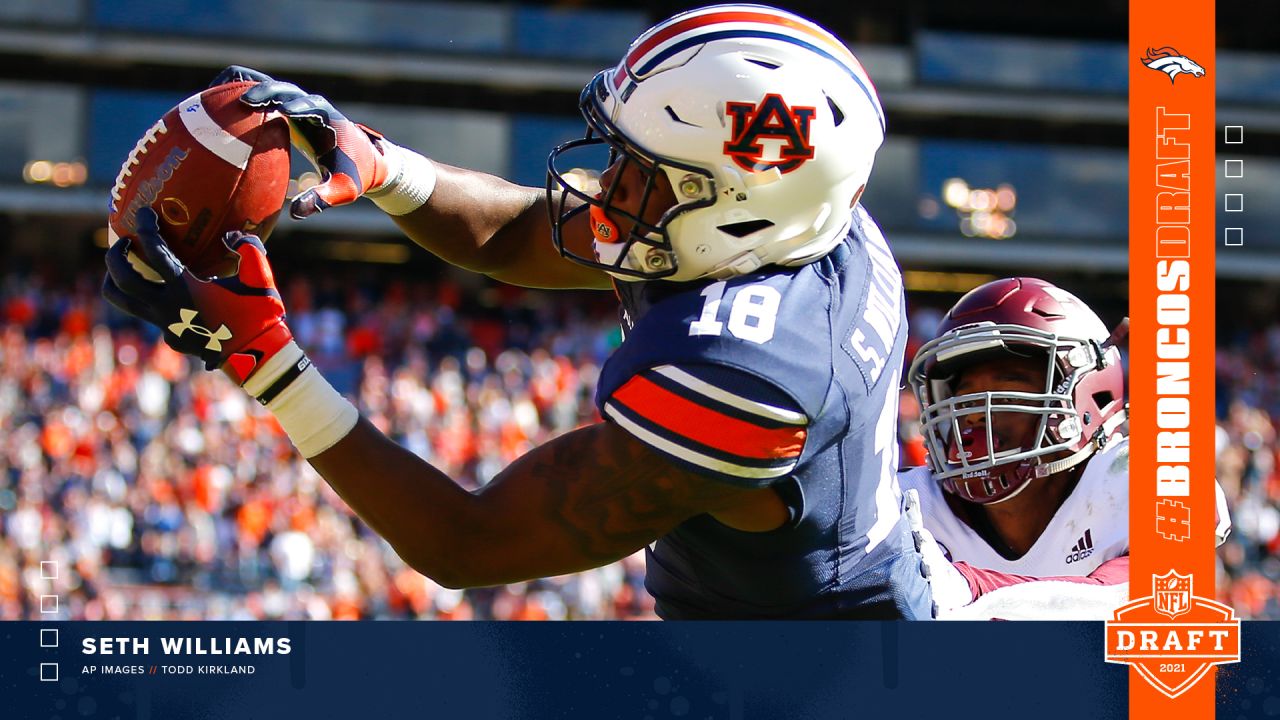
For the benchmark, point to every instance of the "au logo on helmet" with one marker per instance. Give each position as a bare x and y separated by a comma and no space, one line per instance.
769,134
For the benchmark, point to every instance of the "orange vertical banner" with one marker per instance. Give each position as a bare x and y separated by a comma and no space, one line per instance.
1171,370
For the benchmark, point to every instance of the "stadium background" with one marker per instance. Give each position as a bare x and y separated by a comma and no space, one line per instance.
165,494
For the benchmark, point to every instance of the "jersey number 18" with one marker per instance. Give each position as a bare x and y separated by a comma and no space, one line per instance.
753,312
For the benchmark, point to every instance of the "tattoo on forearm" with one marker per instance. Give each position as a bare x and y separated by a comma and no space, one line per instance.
612,496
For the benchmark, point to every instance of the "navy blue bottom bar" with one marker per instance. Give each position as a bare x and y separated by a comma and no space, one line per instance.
635,671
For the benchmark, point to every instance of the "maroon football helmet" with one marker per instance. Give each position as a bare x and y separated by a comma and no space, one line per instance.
1079,410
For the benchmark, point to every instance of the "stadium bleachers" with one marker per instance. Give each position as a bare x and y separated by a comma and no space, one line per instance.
168,495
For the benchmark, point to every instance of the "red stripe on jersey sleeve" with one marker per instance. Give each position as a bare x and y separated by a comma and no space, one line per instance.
686,418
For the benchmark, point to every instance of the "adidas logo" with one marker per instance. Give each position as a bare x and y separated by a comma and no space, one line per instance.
1083,547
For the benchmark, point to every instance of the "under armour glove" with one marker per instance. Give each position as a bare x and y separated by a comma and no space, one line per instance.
235,323
350,157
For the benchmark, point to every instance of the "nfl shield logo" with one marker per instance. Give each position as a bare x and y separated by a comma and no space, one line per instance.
1172,655
1173,593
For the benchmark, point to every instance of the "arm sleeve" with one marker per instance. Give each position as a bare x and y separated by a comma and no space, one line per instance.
982,581
717,421
1003,596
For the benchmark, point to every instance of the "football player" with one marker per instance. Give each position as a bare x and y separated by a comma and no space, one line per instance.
748,439
1022,407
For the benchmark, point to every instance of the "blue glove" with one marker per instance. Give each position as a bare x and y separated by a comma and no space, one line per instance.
347,154
235,323
239,73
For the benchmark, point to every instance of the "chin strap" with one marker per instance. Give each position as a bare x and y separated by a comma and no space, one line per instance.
1099,440
1067,462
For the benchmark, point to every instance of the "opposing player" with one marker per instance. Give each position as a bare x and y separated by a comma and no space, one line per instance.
748,437
1022,406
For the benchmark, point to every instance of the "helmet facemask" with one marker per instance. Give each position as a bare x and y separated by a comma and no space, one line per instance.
640,250
971,460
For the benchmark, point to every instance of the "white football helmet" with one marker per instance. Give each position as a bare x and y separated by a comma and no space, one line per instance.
765,125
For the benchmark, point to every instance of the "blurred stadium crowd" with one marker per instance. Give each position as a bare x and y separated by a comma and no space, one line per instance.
162,492
1248,397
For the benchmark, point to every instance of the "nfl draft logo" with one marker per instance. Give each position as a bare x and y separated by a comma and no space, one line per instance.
1171,637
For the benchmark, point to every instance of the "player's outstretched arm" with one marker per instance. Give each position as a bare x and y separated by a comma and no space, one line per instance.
471,219
1006,596
582,500
488,225
579,501
982,580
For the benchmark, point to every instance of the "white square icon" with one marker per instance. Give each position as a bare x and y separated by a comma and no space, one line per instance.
48,672
1233,202
49,638
48,570
1233,134
1233,237
1235,169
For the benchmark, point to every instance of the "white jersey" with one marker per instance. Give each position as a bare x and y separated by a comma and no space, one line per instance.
1090,528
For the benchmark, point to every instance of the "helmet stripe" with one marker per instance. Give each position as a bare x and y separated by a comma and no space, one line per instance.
755,21
863,82
763,16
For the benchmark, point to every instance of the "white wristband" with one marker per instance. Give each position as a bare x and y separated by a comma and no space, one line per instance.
411,178
272,369
313,414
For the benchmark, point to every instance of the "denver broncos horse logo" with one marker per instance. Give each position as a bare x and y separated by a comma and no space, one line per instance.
786,129
1171,62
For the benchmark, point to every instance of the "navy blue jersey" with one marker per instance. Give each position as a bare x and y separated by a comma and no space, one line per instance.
787,377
